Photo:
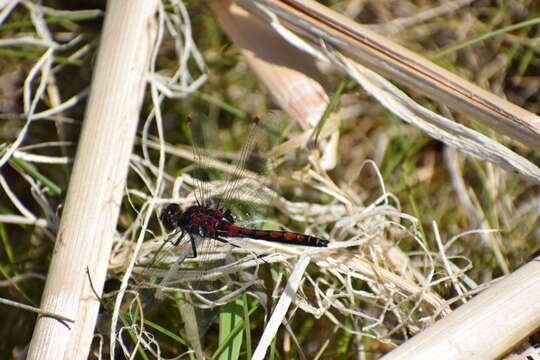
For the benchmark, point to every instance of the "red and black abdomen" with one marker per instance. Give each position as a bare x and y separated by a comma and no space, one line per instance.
285,237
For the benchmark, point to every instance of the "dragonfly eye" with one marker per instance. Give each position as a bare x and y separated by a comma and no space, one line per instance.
169,216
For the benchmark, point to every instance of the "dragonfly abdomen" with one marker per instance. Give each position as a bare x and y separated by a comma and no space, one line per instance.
285,237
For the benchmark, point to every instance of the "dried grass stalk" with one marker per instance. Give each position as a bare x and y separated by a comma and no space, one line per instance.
486,327
92,204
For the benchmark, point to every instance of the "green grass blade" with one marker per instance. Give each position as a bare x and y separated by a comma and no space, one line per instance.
486,36
32,171
35,55
53,20
230,335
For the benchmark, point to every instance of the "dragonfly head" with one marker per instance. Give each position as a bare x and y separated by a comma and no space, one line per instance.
170,215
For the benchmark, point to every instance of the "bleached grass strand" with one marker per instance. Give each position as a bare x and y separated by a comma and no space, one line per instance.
42,159
55,12
8,7
446,263
26,40
124,284
278,316
21,220
36,15
63,106
29,105
15,200
20,278
37,310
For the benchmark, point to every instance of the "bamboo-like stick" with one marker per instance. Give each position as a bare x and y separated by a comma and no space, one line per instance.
487,327
327,28
95,191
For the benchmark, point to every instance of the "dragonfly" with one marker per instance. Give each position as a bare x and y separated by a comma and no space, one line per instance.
208,221
219,224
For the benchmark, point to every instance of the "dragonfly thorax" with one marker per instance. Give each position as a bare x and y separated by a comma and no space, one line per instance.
197,219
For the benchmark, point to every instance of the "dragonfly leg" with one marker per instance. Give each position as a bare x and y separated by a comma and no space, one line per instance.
179,239
228,216
236,246
193,247
226,242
